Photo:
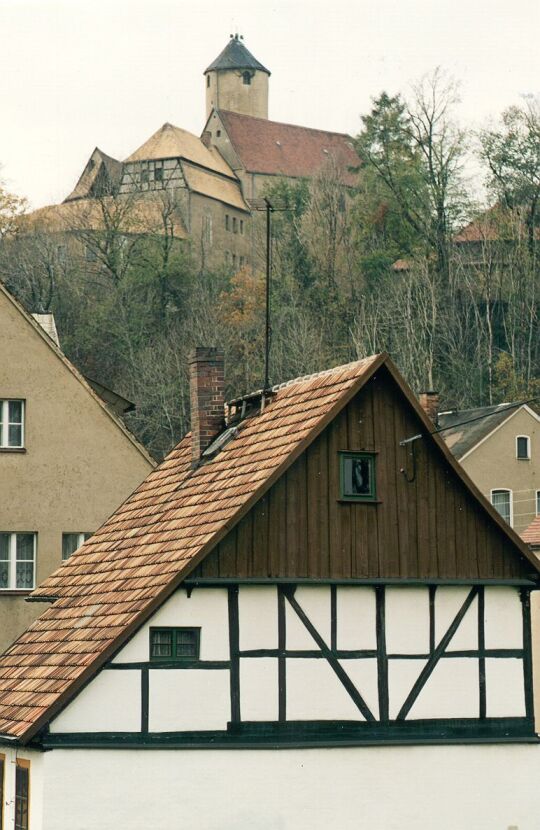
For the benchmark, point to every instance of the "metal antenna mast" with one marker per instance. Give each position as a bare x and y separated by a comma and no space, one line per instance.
267,336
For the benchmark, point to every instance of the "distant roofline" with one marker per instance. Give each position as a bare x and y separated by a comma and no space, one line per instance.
496,428
281,123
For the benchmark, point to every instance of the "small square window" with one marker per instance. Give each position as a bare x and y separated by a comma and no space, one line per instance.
176,644
523,447
357,476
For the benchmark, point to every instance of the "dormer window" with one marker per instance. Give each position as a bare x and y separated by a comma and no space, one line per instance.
246,78
357,476
11,424
523,447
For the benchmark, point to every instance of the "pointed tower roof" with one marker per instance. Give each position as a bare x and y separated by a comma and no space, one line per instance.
236,56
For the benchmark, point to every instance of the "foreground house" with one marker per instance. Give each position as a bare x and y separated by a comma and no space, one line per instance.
66,460
294,609
499,447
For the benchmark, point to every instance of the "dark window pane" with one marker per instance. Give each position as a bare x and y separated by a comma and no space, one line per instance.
70,543
25,546
161,644
522,447
15,412
186,643
4,545
21,798
14,435
158,174
357,477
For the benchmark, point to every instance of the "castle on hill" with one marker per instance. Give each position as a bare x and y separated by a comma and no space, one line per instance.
204,188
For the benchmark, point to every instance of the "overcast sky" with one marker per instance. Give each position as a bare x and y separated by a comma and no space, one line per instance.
81,73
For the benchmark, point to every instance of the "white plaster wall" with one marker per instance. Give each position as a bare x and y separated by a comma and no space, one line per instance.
407,620
448,601
376,788
259,699
503,618
111,702
188,699
315,603
314,692
257,614
451,691
505,694
355,618
206,607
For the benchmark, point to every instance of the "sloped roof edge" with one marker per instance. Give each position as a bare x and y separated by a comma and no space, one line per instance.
371,368
75,372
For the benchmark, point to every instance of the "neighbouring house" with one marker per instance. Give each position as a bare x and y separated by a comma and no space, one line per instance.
293,610
202,190
499,447
66,458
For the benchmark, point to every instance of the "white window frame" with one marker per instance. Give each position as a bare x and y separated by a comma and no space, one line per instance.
12,572
528,456
4,403
504,490
82,537
537,504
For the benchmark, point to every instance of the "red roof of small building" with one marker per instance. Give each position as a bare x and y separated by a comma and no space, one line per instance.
532,535
285,149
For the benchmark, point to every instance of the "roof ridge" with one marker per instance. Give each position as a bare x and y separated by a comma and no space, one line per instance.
304,378
284,123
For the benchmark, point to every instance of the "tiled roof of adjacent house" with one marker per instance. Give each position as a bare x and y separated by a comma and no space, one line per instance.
285,149
129,566
236,56
463,429
532,535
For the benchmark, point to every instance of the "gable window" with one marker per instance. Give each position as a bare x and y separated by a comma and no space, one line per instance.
71,542
523,447
11,424
357,476
242,226
22,794
176,644
502,502
17,561
246,78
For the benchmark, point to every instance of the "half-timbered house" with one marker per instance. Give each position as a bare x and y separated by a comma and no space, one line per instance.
306,617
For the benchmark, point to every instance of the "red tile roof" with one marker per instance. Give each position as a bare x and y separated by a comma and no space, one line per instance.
154,539
532,535
285,149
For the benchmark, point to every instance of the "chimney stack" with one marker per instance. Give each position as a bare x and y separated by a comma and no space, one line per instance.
429,401
206,381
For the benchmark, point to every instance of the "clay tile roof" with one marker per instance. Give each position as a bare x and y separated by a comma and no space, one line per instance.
139,556
173,142
285,149
236,56
532,535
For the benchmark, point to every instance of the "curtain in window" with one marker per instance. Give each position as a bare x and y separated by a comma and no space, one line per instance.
500,500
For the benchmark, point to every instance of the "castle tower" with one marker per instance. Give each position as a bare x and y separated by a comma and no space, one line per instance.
236,81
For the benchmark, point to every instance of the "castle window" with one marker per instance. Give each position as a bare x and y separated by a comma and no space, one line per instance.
234,225
242,226
158,174
227,222
177,644
246,78
234,260
208,80
357,476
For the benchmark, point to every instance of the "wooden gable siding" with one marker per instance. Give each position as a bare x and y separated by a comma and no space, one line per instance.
429,528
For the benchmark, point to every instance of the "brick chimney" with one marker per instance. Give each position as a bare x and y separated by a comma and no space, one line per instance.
429,401
207,398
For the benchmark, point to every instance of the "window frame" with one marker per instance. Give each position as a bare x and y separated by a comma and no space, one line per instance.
174,629
22,764
370,498
511,502
2,788
528,440
537,504
12,562
5,424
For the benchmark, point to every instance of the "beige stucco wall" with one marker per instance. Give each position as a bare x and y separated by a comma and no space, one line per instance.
78,464
493,466
227,91
212,252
